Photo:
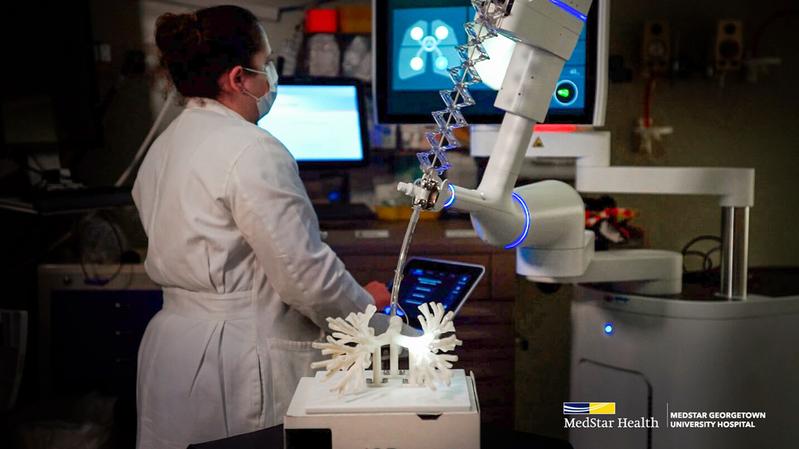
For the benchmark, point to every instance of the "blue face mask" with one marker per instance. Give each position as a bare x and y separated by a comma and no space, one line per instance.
264,103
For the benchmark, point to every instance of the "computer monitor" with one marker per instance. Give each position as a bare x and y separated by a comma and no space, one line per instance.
322,121
416,42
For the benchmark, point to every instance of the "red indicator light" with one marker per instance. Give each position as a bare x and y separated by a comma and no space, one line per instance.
554,128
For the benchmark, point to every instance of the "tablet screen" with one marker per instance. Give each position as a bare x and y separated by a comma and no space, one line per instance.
430,280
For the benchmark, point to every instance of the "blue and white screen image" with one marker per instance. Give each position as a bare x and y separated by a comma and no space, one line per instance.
424,44
317,122
421,286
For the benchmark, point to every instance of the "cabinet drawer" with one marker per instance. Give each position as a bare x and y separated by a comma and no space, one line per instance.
494,334
503,275
488,311
95,336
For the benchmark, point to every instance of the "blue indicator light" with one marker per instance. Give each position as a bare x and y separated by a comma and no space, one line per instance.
569,9
608,329
526,230
334,197
387,311
418,272
451,196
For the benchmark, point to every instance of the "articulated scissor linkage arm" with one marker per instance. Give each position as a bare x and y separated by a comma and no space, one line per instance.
549,214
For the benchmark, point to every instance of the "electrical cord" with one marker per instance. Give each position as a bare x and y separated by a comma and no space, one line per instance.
707,261
90,279
145,145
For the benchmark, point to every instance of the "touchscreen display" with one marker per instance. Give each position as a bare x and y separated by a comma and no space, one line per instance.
445,282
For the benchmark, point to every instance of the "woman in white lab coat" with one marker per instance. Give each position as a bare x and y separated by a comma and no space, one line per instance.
234,242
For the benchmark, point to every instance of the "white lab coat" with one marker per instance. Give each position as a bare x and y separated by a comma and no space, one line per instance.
247,281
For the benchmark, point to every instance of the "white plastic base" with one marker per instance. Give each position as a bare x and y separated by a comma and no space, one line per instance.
667,355
550,265
734,186
382,425
393,396
642,271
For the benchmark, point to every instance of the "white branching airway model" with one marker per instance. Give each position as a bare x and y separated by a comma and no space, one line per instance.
353,347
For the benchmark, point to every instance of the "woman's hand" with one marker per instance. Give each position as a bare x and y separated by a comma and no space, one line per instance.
380,294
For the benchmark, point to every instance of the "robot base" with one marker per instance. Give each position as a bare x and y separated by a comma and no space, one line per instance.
393,415
658,358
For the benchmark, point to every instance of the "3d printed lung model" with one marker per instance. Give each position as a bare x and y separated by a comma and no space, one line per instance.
427,47
353,348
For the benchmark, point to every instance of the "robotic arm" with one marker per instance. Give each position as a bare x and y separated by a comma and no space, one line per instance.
549,215
545,220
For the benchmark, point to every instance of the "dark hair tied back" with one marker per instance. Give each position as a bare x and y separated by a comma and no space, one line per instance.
196,49
176,34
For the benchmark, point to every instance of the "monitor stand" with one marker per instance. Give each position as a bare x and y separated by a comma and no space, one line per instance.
331,200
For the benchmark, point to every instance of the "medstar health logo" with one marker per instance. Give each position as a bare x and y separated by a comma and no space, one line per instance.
589,408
